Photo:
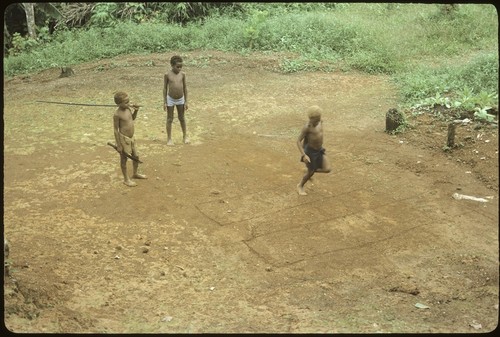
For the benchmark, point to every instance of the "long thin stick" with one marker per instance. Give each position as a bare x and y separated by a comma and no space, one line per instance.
128,155
86,104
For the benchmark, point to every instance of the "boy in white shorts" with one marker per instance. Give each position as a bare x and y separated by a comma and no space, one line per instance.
175,95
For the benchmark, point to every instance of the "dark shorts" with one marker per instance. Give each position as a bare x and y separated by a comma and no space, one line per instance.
316,157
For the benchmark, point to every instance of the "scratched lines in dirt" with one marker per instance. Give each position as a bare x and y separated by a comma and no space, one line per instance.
356,213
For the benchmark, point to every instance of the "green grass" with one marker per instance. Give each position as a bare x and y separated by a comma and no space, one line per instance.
425,50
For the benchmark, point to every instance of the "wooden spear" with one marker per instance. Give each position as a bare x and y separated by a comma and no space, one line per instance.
86,104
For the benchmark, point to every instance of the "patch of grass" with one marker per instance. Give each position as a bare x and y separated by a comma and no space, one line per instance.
429,49
469,85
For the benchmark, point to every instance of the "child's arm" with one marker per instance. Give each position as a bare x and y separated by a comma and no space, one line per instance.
116,130
302,136
165,91
185,91
136,109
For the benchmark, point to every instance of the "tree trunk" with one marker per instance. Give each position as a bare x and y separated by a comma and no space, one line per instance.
7,39
29,9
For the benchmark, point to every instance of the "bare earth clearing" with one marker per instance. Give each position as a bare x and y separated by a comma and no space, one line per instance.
217,238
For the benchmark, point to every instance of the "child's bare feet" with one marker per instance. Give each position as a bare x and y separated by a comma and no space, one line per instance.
129,183
300,189
139,176
170,142
186,140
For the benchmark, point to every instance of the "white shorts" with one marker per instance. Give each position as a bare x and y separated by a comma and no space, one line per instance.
172,102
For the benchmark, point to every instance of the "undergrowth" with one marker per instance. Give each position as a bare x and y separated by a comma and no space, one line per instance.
429,52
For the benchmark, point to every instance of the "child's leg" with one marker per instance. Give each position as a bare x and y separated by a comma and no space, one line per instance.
305,178
123,166
326,167
182,120
137,175
135,164
170,119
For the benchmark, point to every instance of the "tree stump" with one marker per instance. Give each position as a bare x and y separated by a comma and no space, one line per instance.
393,120
66,72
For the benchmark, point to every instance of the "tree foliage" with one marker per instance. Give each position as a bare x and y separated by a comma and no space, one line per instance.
109,13
74,15
28,18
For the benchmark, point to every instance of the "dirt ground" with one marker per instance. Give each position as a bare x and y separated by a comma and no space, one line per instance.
217,238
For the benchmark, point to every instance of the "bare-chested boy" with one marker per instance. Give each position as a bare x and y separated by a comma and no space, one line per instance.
123,124
310,144
175,95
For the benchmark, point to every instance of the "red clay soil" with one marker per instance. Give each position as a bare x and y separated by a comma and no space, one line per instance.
217,238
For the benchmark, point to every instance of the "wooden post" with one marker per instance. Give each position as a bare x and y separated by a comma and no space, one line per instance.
451,135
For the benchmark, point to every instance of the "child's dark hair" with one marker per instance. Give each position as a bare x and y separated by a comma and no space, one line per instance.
175,59
120,96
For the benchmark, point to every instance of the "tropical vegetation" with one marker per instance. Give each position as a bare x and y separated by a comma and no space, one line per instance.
443,54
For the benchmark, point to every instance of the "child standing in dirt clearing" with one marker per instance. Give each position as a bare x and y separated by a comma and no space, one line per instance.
123,124
175,95
310,144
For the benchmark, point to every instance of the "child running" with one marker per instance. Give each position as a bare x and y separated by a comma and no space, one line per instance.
310,144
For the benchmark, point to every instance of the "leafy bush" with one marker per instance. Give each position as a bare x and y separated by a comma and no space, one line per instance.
252,32
481,73
22,44
469,85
